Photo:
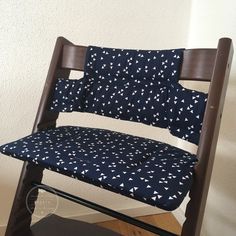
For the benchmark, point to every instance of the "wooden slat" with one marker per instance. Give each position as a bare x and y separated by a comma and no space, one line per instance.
198,63
74,57
208,140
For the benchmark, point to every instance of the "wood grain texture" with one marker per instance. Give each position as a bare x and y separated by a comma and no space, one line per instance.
165,220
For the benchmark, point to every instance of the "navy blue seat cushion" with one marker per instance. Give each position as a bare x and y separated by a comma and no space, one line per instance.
147,170
185,110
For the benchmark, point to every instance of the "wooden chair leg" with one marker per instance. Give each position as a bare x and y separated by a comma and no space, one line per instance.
195,209
20,217
190,224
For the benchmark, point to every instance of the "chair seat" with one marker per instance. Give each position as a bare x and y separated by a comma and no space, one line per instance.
146,170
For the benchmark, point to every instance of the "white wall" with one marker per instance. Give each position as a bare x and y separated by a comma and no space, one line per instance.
211,20
28,30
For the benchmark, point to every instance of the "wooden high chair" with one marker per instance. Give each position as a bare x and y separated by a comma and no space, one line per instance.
146,170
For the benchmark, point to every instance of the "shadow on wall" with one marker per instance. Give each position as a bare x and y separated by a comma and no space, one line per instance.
228,125
6,198
215,223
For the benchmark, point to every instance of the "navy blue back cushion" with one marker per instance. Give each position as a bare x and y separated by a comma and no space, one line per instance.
135,85
67,96
156,65
185,112
130,84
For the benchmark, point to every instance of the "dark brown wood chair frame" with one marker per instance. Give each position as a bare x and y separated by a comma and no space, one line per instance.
211,65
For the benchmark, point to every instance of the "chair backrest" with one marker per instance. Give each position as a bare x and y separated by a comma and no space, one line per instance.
197,63
134,85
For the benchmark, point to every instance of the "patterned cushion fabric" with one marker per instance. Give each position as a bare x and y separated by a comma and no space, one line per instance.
159,65
185,112
130,84
150,171
135,85
123,84
67,96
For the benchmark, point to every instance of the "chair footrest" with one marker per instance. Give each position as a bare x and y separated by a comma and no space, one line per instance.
56,225
104,210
